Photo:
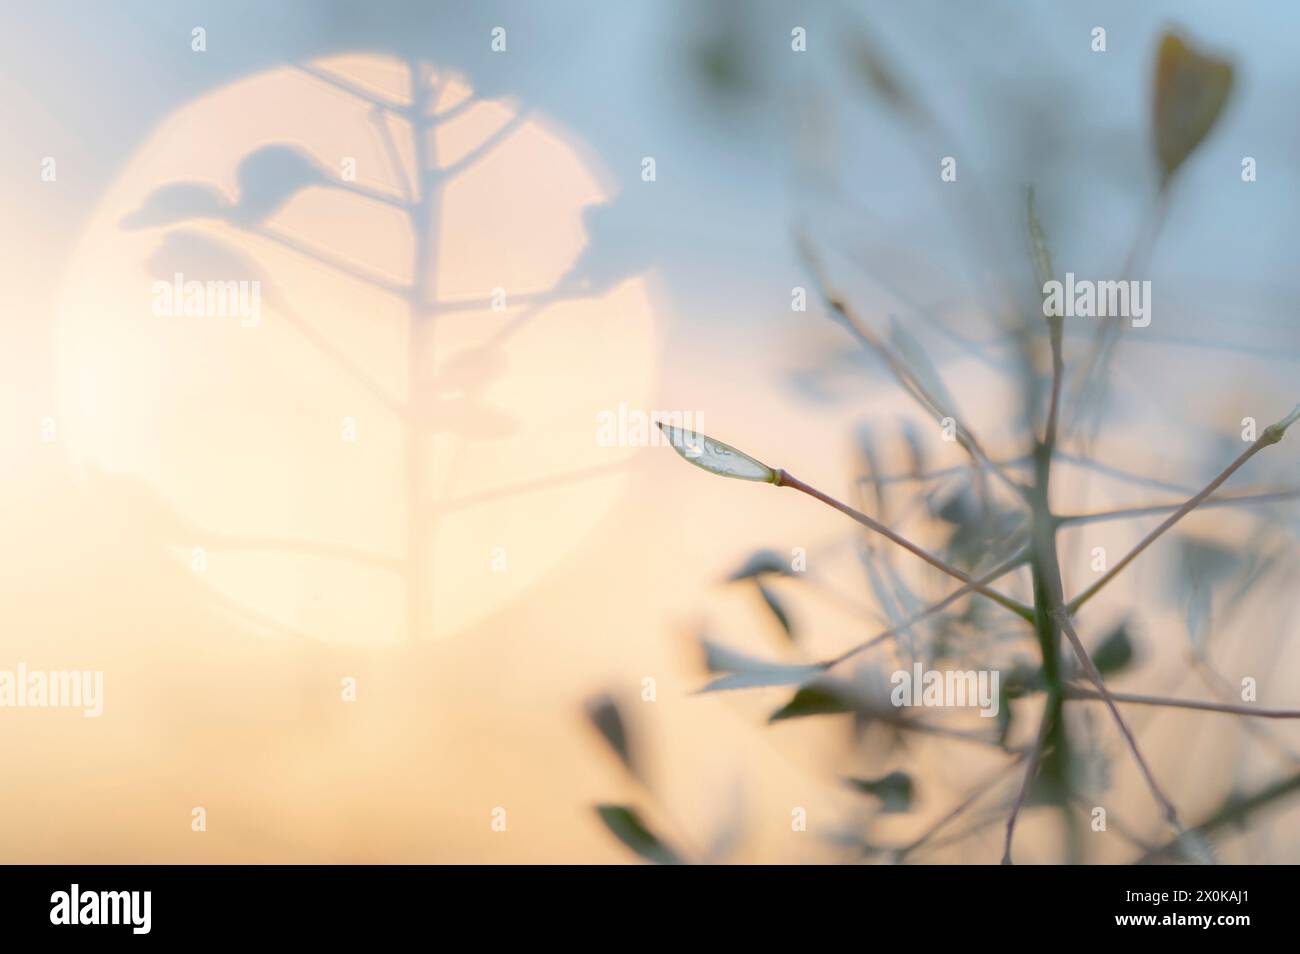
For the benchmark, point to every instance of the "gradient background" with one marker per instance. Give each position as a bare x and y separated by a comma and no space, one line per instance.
222,688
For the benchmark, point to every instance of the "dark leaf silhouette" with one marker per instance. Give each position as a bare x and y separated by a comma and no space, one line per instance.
761,563
1115,653
617,245
1191,89
266,178
745,671
819,699
767,675
777,609
178,202
269,177
913,356
627,826
604,714
894,790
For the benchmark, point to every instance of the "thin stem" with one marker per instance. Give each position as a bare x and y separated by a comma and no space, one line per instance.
374,195
379,117
1035,757
333,262
784,479
1089,667
1026,460
1077,692
1058,374
342,83
1116,473
1055,323
1272,434
498,136
1046,576
1218,500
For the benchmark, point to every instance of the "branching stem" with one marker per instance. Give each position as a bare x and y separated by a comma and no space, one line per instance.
1272,434
784,479
1078,692
1089,667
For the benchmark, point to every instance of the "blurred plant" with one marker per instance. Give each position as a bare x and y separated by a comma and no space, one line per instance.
1001,523
450,396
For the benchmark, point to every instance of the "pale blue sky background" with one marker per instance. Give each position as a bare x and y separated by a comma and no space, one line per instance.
1015,81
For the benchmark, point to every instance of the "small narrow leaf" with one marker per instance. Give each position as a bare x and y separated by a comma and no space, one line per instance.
720,658
761,563
605,716
775,606
894,790
760,678
1038,243
715,456
812,701
627,826
921,367
746,672
1191,89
